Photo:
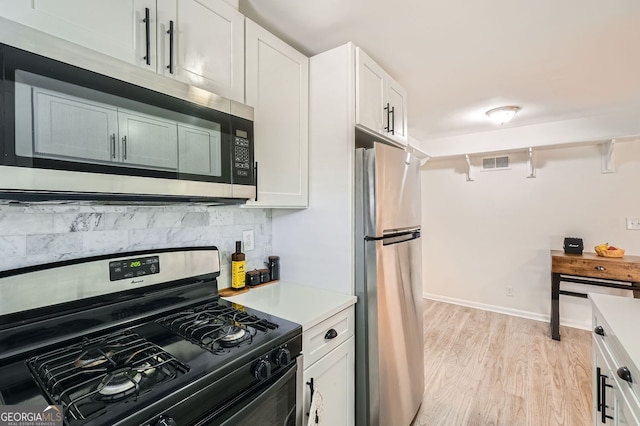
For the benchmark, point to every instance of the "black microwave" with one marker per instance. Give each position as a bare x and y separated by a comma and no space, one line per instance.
69,132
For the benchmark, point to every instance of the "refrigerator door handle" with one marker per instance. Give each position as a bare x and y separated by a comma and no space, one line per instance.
397,238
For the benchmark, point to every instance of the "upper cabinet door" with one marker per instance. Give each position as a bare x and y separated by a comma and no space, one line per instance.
370,94
166,37
397,97
112,27
148,141
70,128
210,47
277,84
381,103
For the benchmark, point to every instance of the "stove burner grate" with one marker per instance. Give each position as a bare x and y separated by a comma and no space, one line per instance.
88,376
216,327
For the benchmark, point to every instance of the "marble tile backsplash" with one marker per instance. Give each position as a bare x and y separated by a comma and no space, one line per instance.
43,233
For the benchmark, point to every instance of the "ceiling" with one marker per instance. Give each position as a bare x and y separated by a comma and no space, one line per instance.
556,59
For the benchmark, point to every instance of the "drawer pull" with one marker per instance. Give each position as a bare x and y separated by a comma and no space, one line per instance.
599,330
624,374
331,334
600,268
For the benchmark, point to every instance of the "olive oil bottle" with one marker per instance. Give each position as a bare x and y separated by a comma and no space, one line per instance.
238,268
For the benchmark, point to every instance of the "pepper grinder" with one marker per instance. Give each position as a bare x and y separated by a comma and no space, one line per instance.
274,267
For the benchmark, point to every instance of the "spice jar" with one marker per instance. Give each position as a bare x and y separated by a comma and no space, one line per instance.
253,277
265,276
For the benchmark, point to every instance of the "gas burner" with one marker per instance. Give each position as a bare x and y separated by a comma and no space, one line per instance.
215,326
119,384
232,335
89,376
93,358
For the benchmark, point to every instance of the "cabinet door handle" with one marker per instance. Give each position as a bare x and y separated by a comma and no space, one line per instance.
170,32
599,330
331,334
604,386
147,33
599,388
388,120
393,120
624,374
124,147
255,178
600,268
113,145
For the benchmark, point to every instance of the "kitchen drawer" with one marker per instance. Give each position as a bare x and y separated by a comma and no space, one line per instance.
590,265
316,342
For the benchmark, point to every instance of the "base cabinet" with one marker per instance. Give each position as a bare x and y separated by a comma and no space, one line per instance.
330,378
329,365
615,388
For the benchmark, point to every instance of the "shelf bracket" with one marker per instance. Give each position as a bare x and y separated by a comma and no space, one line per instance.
468,168
531,167
609,157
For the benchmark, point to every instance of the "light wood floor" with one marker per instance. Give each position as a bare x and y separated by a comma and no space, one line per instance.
484,368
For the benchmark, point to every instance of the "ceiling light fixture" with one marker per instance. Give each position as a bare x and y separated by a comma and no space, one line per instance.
503,114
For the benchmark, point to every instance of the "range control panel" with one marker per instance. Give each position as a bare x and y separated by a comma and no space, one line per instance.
241,156
131,268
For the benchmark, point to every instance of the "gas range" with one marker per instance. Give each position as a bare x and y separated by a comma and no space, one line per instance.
152,344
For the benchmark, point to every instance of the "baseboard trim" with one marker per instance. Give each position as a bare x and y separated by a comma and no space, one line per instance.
507,311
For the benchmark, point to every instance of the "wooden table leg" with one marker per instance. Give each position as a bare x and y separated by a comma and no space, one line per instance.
636,293
555,306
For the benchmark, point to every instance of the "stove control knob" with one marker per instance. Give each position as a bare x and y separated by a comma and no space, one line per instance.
283,357
166,421
262,370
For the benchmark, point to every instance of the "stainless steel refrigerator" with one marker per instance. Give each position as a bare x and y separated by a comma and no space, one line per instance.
389,333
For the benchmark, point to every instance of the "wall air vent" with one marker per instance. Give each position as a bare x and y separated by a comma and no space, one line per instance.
496,163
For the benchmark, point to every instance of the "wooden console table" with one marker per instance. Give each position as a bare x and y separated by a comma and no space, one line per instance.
622,273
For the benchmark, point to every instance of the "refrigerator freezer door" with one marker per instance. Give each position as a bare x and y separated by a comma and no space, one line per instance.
392,190
395,331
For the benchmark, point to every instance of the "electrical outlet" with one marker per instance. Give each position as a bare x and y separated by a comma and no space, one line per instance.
633,223
510,291
247,240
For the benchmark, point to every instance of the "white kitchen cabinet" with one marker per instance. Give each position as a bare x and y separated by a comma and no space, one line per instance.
199,150
147,141
328,326
210,47
113,27
277,87
329,351
615,388
208,35
332,378
381,103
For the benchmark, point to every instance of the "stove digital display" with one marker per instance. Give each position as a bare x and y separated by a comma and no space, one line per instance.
132,268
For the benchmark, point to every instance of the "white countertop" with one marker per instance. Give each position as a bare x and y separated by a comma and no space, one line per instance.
622,314
302,304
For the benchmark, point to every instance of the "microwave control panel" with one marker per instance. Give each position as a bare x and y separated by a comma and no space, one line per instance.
241,157
242,153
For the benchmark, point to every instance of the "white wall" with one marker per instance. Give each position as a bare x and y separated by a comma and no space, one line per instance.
483,236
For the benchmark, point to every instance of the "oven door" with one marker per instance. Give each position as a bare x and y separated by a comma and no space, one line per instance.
273,403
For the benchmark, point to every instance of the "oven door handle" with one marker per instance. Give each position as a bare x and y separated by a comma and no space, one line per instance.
264,394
